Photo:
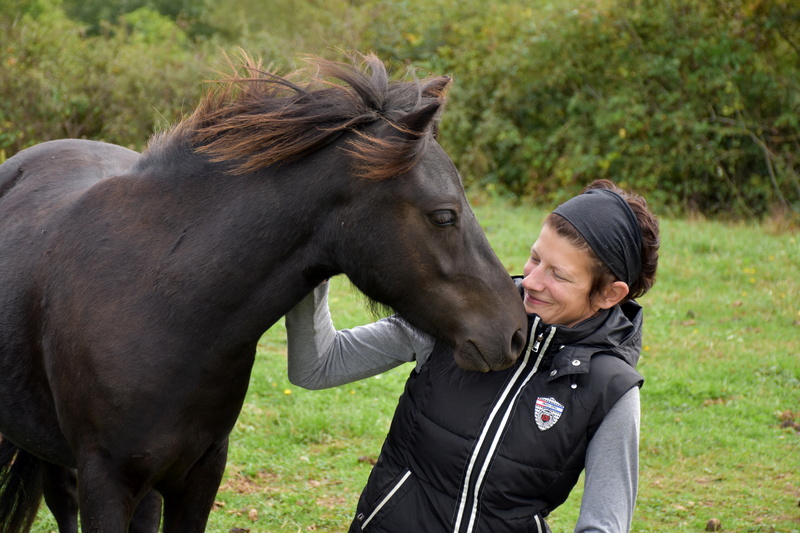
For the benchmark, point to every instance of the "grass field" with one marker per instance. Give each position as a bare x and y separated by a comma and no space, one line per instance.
722,367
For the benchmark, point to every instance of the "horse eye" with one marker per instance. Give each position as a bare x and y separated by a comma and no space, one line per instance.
443,218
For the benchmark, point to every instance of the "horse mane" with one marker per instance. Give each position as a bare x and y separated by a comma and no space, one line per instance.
258,119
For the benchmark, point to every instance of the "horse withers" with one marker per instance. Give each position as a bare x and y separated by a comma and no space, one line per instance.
134,287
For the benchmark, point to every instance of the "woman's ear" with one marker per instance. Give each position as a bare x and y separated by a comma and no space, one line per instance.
612,295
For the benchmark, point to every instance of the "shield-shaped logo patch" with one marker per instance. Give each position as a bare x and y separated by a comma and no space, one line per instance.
547,412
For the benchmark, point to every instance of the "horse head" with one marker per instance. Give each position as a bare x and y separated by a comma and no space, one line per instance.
429,259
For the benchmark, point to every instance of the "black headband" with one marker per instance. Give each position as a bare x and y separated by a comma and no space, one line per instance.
610,227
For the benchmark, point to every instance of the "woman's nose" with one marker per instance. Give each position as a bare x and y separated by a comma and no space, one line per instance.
533,280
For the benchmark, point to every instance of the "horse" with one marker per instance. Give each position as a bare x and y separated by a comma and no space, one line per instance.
134,287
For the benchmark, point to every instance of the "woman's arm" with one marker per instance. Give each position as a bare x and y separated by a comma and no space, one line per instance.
321,357
612,470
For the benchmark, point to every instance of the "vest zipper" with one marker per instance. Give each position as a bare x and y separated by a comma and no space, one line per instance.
485,449
538,342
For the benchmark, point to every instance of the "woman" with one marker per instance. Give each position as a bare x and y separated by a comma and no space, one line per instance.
496,452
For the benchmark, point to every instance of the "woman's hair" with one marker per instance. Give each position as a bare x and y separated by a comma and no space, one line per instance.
601,274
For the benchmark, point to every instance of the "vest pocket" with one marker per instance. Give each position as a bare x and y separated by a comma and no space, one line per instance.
389,497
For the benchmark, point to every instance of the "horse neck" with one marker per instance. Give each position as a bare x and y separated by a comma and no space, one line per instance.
265,233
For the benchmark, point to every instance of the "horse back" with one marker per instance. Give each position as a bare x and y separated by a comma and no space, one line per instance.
54,168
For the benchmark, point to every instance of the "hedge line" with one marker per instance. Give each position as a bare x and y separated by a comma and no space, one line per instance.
694,103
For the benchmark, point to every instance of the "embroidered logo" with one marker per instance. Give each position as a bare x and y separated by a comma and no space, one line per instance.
547,412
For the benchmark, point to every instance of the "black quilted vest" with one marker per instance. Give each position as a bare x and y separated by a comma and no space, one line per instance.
496,452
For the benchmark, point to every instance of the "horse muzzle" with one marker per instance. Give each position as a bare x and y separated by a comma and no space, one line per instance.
470,356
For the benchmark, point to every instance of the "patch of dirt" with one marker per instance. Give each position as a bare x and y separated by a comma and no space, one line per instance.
789,419
264,482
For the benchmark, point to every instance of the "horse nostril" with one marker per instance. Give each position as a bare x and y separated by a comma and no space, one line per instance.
517,343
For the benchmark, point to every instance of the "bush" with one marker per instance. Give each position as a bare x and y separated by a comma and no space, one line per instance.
190,15
115,80
118,87
693,103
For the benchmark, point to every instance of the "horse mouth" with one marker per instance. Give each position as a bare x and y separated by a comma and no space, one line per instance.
470,357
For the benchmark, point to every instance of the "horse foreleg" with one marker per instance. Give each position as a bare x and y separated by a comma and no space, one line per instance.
147,516
106,502
188,504
60,486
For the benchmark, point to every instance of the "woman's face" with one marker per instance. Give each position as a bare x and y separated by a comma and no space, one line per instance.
557,280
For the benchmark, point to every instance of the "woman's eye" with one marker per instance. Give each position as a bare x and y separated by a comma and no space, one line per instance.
443,218
559,277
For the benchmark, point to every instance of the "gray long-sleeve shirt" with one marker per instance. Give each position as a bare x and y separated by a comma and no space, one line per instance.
322,357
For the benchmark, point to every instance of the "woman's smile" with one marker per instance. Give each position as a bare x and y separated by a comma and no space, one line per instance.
531,300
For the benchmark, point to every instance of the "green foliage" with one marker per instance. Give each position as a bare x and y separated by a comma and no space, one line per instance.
118,87
33,8
282,29
98,14
693,103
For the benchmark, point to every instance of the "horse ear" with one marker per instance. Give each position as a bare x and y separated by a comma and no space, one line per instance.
437,87
418,121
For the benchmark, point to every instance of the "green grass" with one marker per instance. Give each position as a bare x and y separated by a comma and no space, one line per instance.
721,361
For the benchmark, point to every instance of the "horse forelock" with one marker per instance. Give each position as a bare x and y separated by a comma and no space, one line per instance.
255,118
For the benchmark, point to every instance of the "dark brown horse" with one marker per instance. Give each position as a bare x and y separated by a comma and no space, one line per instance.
134,287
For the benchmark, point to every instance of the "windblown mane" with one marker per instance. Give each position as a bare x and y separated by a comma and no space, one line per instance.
264,119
